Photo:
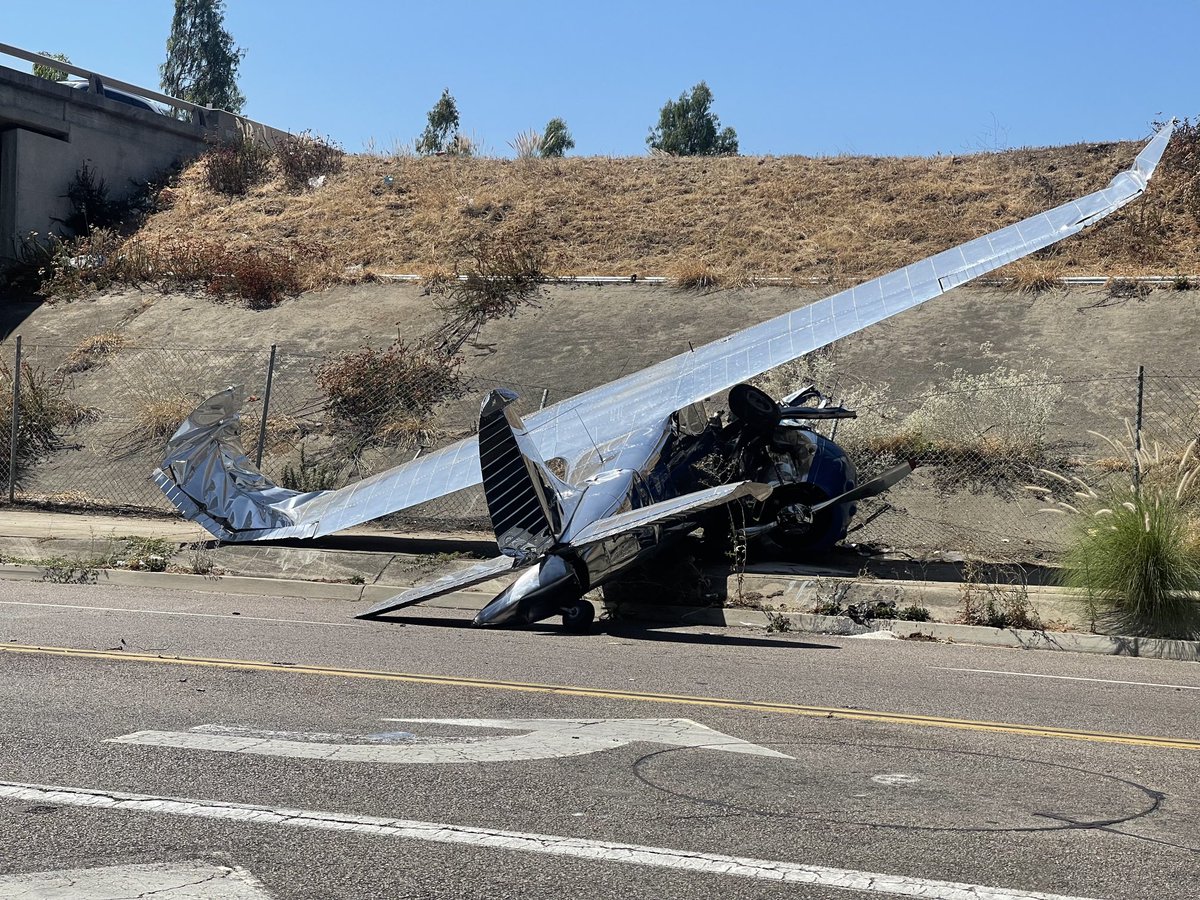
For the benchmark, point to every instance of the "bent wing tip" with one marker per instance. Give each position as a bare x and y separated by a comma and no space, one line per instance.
207,475
1148,158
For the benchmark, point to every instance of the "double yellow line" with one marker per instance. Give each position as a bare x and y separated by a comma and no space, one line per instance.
823,712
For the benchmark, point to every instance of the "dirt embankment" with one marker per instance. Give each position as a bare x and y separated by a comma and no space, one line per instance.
839,219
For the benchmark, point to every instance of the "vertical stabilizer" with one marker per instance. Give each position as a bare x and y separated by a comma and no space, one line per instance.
527,504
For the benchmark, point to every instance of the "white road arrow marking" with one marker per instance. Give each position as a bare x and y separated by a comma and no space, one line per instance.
540,739
172,881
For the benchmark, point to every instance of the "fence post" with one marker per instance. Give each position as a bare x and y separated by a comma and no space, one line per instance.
1137,431
262,425
15,424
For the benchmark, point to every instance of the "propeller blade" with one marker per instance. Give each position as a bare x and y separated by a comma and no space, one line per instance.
871,488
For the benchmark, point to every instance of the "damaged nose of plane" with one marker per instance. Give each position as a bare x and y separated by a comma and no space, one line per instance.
539,593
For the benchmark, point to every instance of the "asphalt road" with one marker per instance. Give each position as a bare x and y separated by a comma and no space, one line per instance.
228,746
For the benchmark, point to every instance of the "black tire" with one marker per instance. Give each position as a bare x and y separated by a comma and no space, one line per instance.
754,408
578,616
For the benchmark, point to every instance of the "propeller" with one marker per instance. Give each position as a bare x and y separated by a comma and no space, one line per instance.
800,513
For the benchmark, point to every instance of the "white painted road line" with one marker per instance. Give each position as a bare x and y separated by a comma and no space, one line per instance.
546,844
230,617
1158,684
542,739
172,881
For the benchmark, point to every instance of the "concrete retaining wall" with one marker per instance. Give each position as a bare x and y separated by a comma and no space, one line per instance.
47,133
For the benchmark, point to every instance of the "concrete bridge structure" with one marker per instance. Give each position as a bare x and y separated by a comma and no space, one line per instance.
48,131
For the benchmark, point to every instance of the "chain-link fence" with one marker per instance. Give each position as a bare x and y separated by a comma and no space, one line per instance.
998,455
994,450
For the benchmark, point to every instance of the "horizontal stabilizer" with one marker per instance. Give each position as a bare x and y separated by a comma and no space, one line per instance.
447,584
667,511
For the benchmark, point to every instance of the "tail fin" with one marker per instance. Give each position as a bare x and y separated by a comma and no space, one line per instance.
527,504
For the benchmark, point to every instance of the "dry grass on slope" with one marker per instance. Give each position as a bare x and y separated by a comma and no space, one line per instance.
841,219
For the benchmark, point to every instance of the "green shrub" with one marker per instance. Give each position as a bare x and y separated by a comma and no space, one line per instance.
42,70
1137,561
308,475
441,134
996,597
556,139
63,570
143,553
688,127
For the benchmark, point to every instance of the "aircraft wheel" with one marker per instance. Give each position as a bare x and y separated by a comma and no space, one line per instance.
578,616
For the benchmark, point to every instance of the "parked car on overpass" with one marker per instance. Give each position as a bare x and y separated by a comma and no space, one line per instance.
81,84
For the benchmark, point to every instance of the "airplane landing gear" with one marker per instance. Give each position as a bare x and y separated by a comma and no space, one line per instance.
578,616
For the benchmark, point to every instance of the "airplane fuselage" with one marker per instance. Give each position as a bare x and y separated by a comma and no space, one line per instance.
657,464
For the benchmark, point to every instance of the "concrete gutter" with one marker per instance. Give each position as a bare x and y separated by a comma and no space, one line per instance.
247,585
1013,638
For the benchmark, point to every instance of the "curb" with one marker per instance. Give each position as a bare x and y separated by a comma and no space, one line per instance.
719,616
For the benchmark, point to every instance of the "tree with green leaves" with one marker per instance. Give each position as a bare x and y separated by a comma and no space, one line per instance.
556,139
42,70
441,133
202,61
688,127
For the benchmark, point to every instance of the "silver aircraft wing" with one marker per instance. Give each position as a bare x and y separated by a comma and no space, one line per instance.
608,412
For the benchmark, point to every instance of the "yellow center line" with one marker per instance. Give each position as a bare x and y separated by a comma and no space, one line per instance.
824,712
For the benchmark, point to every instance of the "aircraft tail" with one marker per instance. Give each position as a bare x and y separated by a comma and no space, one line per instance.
527,504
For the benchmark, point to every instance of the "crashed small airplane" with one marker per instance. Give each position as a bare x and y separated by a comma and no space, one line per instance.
628,452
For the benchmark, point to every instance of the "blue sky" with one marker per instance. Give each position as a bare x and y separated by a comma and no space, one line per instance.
905,77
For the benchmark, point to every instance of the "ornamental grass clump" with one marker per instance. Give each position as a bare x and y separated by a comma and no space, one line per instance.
1136,559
